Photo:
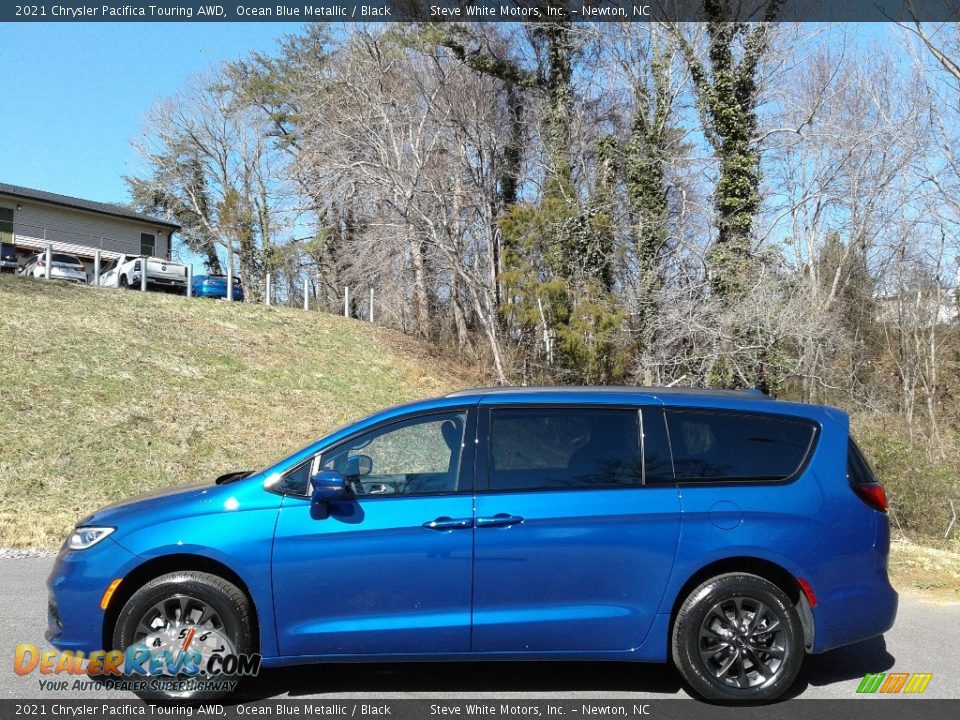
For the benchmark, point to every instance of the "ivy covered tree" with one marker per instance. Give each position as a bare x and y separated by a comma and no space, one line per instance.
727,97
646,155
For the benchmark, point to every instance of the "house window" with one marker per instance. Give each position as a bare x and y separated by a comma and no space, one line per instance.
148,243
6,225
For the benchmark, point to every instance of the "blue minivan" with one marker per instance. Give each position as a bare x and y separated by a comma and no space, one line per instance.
724,530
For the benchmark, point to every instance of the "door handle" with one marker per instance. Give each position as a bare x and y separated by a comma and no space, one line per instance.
446,523
499,520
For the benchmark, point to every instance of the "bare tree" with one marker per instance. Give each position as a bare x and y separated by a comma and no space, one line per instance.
415,141
212,166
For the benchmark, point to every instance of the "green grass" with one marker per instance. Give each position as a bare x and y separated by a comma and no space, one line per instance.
106,394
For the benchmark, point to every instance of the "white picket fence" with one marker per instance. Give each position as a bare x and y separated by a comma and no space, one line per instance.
99,255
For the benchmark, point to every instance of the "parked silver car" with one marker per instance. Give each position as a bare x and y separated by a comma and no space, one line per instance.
62,267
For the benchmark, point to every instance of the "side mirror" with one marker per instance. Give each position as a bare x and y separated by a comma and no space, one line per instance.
329,486
358,466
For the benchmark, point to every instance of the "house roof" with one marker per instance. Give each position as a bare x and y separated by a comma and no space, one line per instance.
80,204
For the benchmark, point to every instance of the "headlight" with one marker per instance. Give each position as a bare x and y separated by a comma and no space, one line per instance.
83,537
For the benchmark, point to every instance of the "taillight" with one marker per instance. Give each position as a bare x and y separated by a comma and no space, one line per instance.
136,266
872,494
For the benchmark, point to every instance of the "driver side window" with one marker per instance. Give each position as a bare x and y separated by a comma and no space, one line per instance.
417,456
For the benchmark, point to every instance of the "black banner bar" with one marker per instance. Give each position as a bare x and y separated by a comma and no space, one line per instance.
474,10
886,708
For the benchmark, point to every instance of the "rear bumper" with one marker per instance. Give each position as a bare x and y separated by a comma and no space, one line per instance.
54,275
861,616
165,282
865,606
159,281
216,292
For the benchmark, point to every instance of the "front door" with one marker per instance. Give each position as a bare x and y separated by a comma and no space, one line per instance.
573,551
390,571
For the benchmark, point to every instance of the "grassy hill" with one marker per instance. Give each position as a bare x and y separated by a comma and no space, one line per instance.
105,394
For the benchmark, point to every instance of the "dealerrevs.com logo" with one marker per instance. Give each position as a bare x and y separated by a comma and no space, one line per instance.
202,660
894,683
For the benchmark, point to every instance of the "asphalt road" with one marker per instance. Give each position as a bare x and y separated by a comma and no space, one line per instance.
924,639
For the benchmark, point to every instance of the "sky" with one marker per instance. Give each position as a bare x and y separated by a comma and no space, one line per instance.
76,94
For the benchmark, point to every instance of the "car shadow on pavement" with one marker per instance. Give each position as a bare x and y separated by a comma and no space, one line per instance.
431,679
850,662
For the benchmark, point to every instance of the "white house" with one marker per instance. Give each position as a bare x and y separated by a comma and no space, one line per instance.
31,219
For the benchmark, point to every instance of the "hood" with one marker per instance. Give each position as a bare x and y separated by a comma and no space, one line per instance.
194,516
191,499
149,500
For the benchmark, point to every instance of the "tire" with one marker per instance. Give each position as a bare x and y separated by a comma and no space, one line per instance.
123,284
232,619
723,658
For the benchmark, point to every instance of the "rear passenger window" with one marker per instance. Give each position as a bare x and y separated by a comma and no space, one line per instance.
711,446
532,449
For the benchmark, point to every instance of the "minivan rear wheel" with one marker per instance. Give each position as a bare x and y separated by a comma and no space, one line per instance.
738,637
208,613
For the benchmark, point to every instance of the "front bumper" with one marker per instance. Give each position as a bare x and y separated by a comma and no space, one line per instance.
76,586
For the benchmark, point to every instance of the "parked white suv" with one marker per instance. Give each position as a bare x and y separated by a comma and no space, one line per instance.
62,267
125,272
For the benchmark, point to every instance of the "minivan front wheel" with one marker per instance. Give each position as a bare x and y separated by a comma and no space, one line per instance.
738,638
196,612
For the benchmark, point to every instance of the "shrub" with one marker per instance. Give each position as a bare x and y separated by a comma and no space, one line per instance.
920,479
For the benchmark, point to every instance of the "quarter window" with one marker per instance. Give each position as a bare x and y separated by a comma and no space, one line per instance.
296,481
553,449
714,446
859,471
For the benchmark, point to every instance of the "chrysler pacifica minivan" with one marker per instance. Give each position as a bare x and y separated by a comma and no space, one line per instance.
724,530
